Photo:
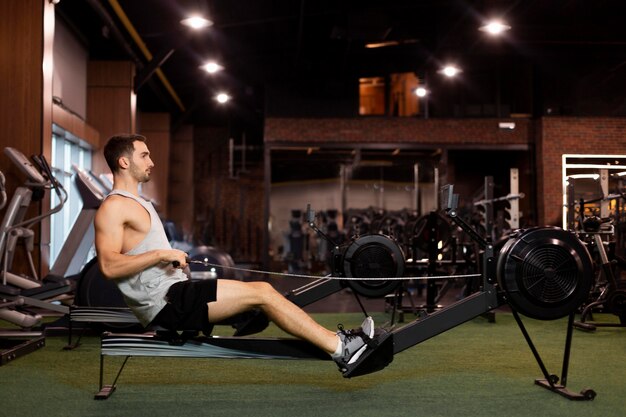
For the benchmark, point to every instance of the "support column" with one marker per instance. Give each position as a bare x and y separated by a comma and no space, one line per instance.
26,41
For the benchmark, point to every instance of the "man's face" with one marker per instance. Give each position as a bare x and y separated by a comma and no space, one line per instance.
140,163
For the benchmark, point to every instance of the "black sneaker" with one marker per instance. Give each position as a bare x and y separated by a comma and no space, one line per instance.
354,343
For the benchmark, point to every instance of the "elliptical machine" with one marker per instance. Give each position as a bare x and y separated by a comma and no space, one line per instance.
17,292
14,227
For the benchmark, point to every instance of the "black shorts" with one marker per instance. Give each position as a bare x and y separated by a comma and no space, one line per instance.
186,307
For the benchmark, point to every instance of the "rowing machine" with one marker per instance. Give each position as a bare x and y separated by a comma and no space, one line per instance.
544,273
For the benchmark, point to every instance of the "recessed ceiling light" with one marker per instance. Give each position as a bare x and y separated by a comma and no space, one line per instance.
212,67
495,27
196,22
421,92
222,98
450,71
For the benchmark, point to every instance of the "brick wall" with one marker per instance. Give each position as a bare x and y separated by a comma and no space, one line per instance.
552,136
573,135
397,130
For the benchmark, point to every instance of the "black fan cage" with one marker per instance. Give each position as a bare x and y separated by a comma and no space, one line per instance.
373,261
549,274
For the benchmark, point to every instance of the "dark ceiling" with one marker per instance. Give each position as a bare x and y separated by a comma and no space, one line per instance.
562,56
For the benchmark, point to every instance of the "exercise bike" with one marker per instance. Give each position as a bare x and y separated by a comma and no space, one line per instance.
610,291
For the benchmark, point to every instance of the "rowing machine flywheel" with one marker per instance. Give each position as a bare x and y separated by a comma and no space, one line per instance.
371,256
546,272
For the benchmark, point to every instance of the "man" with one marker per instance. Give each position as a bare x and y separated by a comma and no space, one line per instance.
134,252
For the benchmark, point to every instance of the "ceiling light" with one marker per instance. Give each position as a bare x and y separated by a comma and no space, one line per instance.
421,92
450,71
196,22
385,44
222,98
212,67
495,27
381,44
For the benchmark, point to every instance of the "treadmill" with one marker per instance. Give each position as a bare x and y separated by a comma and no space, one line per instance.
77,248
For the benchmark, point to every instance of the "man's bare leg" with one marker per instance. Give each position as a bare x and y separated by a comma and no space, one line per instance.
234,297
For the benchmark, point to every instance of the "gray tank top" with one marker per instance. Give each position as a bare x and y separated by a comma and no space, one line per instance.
145,292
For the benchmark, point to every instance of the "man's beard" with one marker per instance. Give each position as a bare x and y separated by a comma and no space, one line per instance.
141,176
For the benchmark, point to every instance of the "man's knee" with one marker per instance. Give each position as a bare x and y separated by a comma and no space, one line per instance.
262,286
265,290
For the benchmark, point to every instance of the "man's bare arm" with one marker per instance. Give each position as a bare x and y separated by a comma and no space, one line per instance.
109,227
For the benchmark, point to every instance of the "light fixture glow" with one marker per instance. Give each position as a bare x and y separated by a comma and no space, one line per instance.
222,98
450,71
196,22
212,67
495,27
381,44
421,92
583,176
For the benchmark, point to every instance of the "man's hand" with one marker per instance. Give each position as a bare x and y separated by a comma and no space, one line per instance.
176,257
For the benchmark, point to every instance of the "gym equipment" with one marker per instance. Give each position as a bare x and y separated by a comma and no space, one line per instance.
93,290
368,256
611,292
596,221
429,236
494,225
24,292
533,259
15,227
296,242
201,256
541,272
189,345
100,304
76,250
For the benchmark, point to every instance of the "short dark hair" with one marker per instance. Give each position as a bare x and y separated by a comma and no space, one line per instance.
118,146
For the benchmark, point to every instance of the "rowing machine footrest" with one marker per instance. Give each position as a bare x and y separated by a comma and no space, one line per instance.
373,359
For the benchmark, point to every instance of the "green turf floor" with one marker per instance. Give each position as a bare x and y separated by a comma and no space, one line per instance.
476,369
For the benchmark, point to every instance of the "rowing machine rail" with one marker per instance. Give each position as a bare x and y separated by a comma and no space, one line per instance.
171,344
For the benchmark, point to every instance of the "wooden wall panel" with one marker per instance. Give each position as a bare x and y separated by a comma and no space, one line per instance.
156,128
181,193
110,74
111,103
21,81
26,40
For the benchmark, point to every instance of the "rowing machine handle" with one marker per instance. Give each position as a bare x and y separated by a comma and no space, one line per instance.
176,264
